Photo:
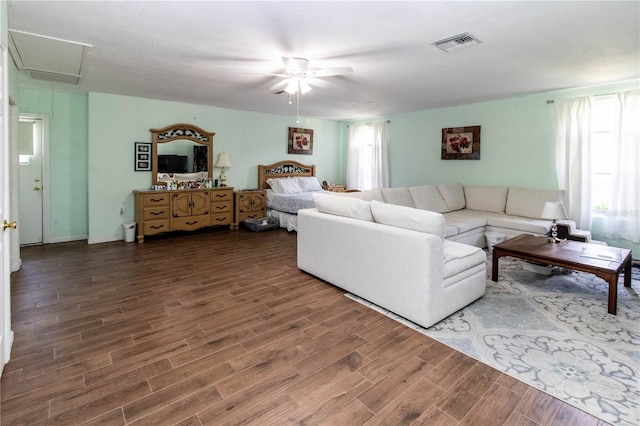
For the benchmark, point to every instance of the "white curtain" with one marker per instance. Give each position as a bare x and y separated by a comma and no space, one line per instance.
573,164
367,161
355,171
380,163
573,158
623,216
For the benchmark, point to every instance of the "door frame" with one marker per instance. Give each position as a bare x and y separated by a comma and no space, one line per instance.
44,119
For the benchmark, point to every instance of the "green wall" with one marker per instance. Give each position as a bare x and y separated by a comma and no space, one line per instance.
92,140
249,138
517,144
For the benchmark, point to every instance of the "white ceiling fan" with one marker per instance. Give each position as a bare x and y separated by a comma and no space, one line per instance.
298,77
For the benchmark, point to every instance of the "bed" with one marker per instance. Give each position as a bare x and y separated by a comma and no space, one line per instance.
284,203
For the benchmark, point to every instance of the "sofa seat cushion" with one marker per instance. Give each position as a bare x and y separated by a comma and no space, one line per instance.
460,257
523,224
465,220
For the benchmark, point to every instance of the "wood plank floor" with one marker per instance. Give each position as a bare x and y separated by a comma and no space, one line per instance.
220,327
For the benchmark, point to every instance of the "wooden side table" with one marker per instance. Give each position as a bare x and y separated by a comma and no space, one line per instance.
249,204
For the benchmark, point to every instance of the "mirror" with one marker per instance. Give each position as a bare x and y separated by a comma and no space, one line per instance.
182,149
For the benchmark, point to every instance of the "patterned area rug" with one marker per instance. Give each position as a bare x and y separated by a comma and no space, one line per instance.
553,333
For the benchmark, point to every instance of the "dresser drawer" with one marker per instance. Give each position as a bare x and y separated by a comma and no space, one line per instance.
154,213
222,195
190,223
221,207
155,199
156,226
222,218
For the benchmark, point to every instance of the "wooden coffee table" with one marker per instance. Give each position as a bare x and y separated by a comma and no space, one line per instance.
603,261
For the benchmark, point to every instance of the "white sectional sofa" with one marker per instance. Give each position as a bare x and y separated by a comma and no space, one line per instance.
472,210
417,251
393,256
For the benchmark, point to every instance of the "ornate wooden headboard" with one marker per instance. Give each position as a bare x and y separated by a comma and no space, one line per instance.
283,169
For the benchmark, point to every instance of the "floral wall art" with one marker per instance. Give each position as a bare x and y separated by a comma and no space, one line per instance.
461,143
300,141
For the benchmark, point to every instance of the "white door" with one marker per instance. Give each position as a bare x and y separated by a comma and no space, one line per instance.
30,137
6,334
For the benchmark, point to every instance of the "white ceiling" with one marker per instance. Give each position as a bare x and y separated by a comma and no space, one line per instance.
197,52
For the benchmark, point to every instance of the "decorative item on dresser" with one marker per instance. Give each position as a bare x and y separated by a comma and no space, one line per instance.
182,210
249,204
334,187
223,161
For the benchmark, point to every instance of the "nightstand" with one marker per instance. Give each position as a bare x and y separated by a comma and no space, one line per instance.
249,204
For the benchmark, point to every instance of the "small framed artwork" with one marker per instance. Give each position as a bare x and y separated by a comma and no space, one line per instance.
300,141
461,143
142,159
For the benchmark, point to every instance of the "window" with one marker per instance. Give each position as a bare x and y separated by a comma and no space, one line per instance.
602,159
367,165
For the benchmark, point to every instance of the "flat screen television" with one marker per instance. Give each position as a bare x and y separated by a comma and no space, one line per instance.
173,163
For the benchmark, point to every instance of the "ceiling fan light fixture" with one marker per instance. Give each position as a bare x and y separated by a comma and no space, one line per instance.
304,87
292,86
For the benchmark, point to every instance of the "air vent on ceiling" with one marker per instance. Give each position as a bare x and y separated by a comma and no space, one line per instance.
456,42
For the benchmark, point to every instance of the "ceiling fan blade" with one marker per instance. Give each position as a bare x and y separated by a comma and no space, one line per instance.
280,84
264,73
317,82
329,72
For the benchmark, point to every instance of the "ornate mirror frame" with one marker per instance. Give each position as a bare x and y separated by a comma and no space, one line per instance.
177,132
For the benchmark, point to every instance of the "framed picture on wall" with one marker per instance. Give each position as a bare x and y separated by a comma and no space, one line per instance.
461,143
300,141
142,157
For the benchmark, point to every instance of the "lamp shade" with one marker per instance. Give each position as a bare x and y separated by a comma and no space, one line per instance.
223,160
554,210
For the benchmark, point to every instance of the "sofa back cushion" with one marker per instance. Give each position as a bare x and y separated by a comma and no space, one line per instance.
427,197
343,206
408,218
486,198
530,202
453,195
398,196
367,195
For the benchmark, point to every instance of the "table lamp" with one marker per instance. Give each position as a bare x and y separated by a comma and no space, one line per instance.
554,210
223,161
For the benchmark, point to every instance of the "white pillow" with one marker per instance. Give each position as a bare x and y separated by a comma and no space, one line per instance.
408,218
342,206
308,183
284,186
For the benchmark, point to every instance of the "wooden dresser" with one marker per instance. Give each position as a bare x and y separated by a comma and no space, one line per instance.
182,210
249,204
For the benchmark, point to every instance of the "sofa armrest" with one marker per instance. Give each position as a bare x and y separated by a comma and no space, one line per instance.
567,230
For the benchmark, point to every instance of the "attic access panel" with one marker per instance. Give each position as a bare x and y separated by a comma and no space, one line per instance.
48,58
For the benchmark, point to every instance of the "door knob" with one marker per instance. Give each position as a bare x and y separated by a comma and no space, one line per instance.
37,179
36,188
11,225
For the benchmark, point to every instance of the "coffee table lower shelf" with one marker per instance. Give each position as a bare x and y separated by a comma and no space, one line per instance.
570,255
